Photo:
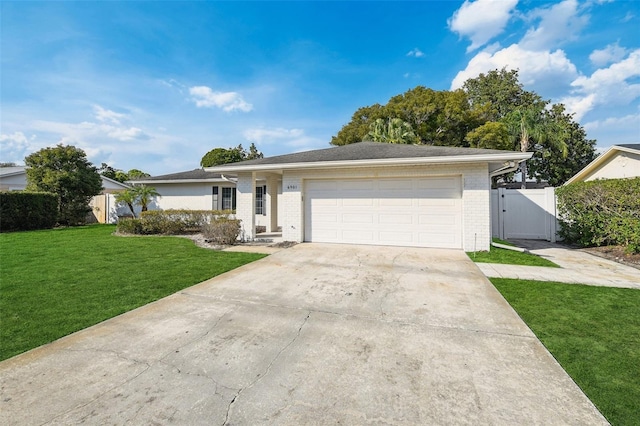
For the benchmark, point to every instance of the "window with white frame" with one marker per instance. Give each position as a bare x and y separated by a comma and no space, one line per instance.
228,198
260,196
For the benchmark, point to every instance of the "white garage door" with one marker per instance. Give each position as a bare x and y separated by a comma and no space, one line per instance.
418,212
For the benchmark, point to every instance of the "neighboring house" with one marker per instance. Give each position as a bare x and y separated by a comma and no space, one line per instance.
104,207
617,162
13,178
375,193
201,190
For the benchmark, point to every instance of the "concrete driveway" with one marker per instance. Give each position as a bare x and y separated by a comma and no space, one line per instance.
315,334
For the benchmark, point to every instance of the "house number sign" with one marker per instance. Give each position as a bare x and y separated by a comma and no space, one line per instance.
292,186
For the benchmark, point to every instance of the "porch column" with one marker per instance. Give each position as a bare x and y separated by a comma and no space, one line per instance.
246,205
272,203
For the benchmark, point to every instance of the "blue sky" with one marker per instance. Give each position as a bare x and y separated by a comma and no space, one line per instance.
155,85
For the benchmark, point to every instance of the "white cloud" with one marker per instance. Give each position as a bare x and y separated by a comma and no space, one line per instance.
614,122
261,135
417,53
612,53
481,20
559,23
204,97
106,115
14,147
615,130
606,86
536,68
126,134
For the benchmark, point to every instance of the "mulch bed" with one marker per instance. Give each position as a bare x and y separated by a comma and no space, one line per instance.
617,254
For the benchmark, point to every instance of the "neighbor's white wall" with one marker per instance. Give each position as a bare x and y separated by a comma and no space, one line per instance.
622,165
476,218
13,183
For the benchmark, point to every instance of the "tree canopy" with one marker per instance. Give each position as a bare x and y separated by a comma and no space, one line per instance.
66,172
120,175
491,111
219,156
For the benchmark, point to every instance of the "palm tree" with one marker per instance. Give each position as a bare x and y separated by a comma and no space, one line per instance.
392,130
530,123
127,197
144,195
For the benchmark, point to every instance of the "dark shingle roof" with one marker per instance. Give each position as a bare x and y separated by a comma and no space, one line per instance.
197,174
366,151
635,146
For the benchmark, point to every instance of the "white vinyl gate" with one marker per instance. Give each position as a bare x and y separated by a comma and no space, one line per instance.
524,213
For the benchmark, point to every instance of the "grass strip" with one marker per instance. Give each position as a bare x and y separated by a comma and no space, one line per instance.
56,282
593,332
509,257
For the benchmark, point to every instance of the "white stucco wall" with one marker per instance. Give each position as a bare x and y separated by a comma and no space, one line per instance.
622,165
189,196
476,221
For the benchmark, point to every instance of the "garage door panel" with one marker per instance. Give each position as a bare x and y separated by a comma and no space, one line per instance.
325,202
438,220
428,203
354,218
326,218
395,237
424,212
357,202
358,236
390,219
395,202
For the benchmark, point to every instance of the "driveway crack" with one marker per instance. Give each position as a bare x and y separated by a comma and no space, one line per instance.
266,371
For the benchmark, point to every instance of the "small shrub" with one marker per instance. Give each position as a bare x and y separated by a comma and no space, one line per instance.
23,211
601,212
222,231
129,226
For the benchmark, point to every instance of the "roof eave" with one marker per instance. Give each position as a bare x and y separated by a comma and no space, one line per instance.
483,158
150,182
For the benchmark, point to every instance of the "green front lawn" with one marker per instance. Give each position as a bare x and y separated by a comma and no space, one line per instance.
509,257
593,332
55,282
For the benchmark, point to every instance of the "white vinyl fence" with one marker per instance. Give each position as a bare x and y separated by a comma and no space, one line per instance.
524,213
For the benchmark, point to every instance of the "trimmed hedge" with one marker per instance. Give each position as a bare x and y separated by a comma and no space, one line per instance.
23,211
222,231
170,222
601,212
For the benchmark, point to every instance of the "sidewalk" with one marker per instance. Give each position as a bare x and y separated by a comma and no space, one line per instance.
576,267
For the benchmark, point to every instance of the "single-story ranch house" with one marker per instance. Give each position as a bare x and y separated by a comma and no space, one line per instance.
373,193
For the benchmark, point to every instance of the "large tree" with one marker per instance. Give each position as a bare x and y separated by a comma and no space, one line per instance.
548,162
66,172
436,117
219,156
